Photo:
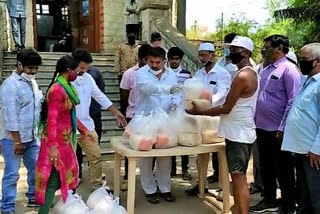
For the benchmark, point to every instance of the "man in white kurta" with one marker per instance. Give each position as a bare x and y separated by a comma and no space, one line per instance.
157,87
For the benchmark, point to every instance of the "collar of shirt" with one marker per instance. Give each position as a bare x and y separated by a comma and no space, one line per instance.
315,78
278,62
165,73
17,76
213,69
132,46
136,67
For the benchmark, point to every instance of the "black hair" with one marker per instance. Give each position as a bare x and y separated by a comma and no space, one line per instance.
175,51
62,66
157,52
155,36
29,57
143,51
83,55
277,40
230,37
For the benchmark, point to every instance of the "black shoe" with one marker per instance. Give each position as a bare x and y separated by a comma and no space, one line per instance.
32,203
264,206
186,176
168,196
153,198
212,179
286,209
194,191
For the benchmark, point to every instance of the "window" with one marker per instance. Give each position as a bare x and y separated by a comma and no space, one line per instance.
45,9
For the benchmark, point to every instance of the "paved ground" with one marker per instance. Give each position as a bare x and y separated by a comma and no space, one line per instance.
183,205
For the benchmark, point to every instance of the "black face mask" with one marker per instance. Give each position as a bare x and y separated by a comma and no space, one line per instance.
236,57
131,40
306,66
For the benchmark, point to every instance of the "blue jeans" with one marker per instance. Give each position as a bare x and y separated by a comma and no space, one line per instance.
18,26
11,171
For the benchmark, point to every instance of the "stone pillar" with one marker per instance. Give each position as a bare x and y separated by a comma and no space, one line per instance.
181,16
114,24
3,26
156,9
29,26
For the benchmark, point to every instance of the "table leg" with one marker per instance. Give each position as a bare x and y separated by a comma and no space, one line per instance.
117,174
131,185
203,161
224,180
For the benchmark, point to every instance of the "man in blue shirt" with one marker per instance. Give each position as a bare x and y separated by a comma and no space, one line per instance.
20,111
17,13
302,132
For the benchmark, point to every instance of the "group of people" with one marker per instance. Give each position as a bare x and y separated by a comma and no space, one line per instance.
270,109
46,133
274,108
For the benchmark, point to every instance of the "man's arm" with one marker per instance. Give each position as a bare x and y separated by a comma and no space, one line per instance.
98,96
223,86
239,85
292,81
146,87
125,88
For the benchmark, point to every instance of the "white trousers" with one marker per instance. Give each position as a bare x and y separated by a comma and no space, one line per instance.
162,176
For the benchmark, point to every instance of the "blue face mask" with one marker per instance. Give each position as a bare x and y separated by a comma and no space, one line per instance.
226,51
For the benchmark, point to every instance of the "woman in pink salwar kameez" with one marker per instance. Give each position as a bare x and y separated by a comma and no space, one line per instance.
57,165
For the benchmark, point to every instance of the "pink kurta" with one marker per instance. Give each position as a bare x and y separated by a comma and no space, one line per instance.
58,132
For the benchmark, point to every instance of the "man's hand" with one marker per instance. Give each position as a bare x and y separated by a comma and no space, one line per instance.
18,148
177,88
279,136
54,155
314,160
194,110
121,120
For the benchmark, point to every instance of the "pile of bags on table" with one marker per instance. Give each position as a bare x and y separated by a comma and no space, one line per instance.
160,130
99,202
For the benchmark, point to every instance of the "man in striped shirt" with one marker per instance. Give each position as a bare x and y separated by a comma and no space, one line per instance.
175,56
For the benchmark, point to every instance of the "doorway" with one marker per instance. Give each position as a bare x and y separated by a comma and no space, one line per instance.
63,25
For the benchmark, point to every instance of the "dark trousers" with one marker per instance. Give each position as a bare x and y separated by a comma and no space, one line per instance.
215,163
126,162
184,164
277,166
98,128
308,185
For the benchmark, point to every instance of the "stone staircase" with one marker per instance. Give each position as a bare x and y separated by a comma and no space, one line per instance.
103,61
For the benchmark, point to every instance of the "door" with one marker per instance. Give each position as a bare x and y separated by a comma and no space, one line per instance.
90,25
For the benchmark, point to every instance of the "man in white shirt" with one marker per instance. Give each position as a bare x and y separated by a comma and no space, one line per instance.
217,80
157,87
87,89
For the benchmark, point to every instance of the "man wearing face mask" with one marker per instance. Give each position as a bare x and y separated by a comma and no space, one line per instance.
225,61
301,136
87,89
157,87
126,57
280,82
20,108
237,119
217,80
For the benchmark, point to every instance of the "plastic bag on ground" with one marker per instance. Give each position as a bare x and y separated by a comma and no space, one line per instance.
165,134
209,129
73,205
98,195
109,207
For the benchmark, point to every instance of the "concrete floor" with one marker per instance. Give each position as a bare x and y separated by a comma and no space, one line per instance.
184,204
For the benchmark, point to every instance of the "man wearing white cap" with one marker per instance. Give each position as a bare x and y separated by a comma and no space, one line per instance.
217,80
237,124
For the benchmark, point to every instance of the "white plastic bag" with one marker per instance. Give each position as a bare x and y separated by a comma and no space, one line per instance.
73,205
134,124
143,134
98,195
107,206
187,128
165,133
192,88
209,129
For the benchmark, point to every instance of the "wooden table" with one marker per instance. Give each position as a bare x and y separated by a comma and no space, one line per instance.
203,151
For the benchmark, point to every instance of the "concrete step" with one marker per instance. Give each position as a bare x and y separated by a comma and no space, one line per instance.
111,131
59,54
53,61
51,66
48,73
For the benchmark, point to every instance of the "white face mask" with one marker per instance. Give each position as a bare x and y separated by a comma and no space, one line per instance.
176,70
156,72
28,77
